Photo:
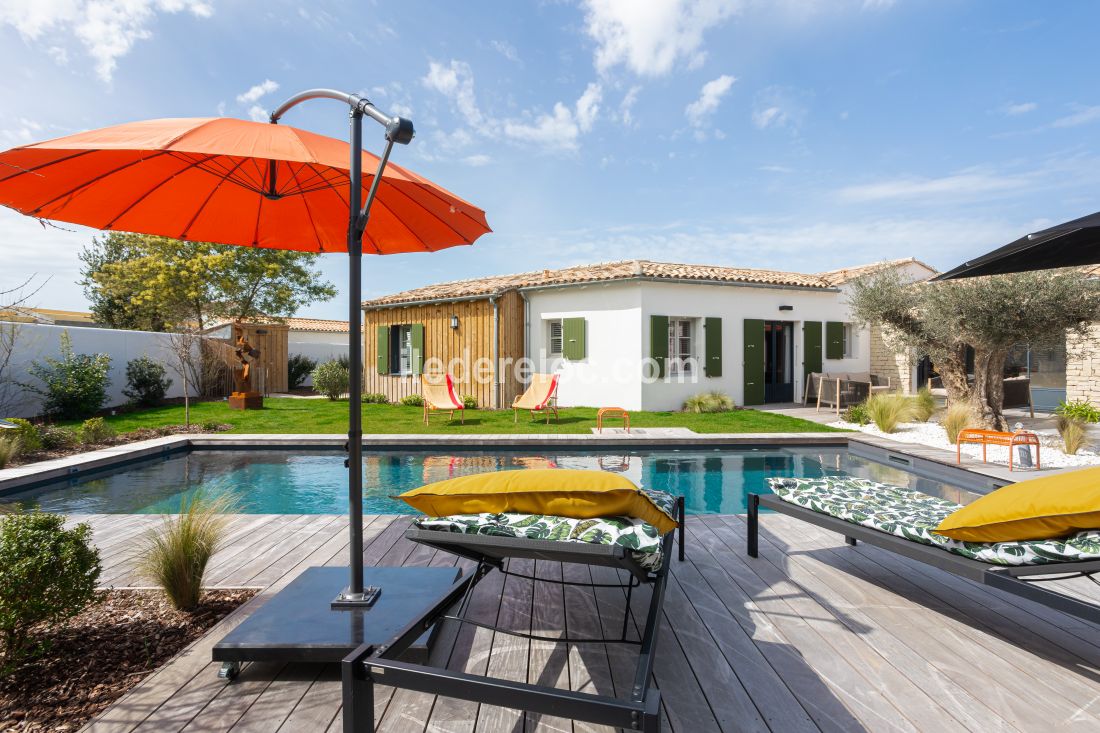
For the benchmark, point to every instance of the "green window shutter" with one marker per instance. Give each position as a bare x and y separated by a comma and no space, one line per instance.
811,347
713,329
382,349
834,340
754,361
416,332
658,343
573,338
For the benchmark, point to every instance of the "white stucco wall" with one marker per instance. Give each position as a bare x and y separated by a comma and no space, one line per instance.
36,341
317,345
618,337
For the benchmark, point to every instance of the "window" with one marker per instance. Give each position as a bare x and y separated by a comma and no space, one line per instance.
679,346
401,349
850,346
554,337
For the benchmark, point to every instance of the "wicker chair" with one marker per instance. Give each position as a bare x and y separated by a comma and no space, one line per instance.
841,390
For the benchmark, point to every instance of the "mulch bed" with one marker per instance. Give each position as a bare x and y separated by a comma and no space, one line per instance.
98,656
130,437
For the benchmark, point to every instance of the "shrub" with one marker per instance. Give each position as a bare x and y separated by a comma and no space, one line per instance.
1081,410
331,379
96,430
375,398
10,448
344,360
924,404
708,402
469,402
74,386
146,382
1074,434
47,574
958,417
856,414
175,555
413,400
298,368
28,434
887,411
57,438
210,426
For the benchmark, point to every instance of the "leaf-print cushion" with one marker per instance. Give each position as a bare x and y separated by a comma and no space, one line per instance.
643,540
913,515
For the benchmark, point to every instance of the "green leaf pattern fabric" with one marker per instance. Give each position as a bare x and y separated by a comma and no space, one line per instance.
642,539
913,515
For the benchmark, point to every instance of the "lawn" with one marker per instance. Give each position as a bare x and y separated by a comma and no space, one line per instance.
288,415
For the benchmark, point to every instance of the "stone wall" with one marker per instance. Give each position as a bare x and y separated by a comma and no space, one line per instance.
1083,366
885,362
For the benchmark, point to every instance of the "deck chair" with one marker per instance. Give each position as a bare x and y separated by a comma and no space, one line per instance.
440,395
370,665
541,396
1020,580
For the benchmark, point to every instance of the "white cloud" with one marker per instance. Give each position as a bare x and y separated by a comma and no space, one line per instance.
650,38
878,4
506,50
699,111
23,132
456,82
1019,108
778,107
626,106
561,129
259,114
965,184
1083,116
107,29
257,91
477,160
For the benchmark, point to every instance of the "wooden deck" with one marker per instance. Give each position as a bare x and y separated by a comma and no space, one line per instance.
813,635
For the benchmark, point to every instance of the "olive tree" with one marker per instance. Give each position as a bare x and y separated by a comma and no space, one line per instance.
987,314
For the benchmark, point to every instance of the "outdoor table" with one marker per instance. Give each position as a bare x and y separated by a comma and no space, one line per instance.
612,412
996,437
304,627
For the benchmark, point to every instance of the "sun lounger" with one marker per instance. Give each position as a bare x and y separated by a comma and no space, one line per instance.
492,540
440,395
541,395
900,520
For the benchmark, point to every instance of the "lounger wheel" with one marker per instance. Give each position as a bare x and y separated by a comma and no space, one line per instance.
229,671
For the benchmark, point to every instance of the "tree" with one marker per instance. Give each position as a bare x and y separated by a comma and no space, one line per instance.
987,314
11,301
158,284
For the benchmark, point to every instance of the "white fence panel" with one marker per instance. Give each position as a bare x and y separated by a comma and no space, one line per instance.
320,347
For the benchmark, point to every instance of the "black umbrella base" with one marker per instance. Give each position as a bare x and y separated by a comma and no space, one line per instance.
299,623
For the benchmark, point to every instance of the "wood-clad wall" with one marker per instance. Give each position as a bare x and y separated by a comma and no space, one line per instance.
465,345
271,341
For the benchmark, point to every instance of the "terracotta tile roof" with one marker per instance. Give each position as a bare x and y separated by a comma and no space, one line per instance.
316,324
847,274
494,285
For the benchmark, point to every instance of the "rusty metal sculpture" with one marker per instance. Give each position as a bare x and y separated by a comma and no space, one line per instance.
244,397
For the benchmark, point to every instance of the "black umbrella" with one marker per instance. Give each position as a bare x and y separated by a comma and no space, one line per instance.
1071,244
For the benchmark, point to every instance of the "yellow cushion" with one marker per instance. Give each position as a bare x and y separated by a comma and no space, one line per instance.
558,492
1039,509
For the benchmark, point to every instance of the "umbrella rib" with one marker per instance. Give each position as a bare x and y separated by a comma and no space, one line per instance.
347,204
151,191
21,170
202,206
432,213
428,187
97,179
305,205
379,202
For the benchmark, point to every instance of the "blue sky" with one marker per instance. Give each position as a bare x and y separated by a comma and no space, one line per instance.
790,134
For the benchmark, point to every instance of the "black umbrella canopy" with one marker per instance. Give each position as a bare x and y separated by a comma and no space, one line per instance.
1071,244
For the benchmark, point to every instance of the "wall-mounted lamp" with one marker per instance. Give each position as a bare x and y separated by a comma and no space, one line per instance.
786,307
454,321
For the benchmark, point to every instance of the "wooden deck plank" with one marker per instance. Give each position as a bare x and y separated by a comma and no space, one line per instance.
508,655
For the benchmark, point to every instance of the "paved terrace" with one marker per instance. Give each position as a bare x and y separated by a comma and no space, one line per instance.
814,635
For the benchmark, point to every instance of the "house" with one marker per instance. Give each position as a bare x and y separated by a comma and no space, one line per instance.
637,334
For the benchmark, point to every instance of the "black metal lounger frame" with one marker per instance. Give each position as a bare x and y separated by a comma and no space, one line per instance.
369,665
1019,580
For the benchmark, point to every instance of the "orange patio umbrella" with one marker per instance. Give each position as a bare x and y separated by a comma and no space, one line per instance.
252,184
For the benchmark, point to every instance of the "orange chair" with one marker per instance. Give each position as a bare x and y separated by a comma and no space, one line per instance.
440,395
541,395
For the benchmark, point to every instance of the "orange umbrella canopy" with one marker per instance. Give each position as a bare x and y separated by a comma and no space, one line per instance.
229,181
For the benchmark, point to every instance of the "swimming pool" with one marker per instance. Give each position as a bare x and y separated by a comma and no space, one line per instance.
294,481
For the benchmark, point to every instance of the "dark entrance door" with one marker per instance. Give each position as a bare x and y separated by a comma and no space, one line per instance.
778,361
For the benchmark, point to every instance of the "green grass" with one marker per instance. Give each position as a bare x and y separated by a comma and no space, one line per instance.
287,415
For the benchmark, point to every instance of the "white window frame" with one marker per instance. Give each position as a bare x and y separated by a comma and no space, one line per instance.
404,349
680,362
550,324
850,341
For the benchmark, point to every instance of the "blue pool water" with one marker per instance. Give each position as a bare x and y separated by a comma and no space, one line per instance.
288,481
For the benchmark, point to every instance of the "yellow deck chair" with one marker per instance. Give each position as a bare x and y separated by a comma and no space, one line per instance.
541,396
440,395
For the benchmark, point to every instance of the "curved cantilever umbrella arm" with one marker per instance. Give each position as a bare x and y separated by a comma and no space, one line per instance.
398,129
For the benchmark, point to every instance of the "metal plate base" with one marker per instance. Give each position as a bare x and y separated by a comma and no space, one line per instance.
300,624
